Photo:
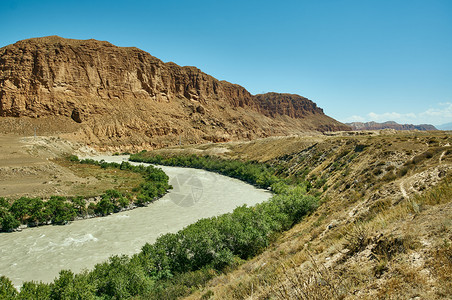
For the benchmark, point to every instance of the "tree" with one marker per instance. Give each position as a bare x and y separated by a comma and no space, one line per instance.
80,205
36,211
7,220
4,203
36,291
7,289
29,210
69,286
105,207
120,278
21,209
59,210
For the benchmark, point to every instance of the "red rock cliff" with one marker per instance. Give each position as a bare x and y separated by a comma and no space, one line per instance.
120,94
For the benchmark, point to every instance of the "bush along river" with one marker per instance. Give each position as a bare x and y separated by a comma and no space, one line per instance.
172,261
39,253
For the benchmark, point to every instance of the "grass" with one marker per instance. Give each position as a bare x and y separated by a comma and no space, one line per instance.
364,242
389,259
314,282
361,241
367,254
179,262
97,180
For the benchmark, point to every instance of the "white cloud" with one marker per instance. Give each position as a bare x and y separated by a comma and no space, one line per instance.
441,114
391,116
354,119
445,112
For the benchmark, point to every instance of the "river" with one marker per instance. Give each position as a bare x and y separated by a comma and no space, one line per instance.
39,253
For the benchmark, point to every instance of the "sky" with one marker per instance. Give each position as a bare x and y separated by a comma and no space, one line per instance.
359,60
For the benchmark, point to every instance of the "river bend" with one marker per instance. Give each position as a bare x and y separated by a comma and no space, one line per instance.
39,253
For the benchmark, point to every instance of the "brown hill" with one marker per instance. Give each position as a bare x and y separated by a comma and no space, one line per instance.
389,125
381,232
109,96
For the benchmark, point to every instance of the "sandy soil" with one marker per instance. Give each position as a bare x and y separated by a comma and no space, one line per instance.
26,168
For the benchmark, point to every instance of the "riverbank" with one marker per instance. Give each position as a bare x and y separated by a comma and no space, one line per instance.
82,245
86,217
61,210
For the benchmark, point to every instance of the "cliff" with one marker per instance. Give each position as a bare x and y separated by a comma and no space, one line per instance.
95,92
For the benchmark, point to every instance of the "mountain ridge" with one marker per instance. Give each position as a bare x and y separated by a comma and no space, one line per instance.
446,126
123,95
389,125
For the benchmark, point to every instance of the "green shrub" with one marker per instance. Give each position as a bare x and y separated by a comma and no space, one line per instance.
254,173
7,220
177,262
7,289
59,210
33,290
74,158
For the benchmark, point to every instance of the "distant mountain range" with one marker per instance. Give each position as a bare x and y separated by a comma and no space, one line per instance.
390,125
447,126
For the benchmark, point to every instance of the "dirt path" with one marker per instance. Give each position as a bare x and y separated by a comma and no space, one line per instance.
441,156
402,189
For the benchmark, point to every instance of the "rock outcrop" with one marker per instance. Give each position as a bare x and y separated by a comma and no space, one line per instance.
115,96
389,125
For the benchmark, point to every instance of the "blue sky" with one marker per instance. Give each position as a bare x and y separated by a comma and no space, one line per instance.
360,60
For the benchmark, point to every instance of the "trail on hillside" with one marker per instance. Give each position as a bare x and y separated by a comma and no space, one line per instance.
402,189
441,156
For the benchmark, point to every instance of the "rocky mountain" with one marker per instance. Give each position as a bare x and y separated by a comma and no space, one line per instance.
389,125
111,97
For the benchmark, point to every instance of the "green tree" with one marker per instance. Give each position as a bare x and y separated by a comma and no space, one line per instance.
36,211
7,220
7,289
104,207
69,286
80,205
21,209
59,210
120,278
28,210
35,291
4,203
74,158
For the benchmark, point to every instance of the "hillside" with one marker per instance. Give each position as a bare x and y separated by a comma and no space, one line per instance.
389,125
382,231
119,97
377,219
377,224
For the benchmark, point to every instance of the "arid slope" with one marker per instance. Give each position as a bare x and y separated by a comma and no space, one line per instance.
122,97
382,231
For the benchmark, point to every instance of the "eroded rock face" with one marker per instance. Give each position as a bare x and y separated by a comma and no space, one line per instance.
77,115
123,95
294,106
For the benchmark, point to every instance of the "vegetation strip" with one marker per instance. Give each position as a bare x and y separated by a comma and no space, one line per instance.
60,210
258,174
179,262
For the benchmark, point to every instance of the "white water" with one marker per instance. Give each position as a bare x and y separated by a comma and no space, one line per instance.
39,253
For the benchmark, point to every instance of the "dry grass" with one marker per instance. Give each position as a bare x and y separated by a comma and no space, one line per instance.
99,180
366,241
377,257
314,281
441,267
